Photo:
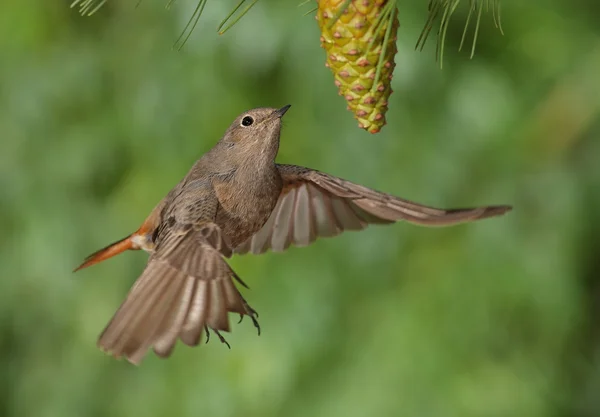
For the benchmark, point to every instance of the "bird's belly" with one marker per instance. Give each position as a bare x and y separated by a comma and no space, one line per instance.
239,227
246,203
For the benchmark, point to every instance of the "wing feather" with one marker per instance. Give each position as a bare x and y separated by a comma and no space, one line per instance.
314,204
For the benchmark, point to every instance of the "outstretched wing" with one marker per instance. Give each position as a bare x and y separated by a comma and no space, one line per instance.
314,204
186,286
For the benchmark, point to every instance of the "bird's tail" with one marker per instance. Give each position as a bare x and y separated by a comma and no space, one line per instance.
108,252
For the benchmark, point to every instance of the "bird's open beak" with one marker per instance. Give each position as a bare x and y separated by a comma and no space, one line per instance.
279,113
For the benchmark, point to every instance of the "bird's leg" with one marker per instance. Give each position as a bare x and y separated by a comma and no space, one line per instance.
253,315
221,338
256,324
249,312
219,335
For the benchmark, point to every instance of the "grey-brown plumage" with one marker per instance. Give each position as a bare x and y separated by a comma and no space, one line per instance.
236,199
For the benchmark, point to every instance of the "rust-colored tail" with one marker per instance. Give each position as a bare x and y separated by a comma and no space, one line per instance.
107,252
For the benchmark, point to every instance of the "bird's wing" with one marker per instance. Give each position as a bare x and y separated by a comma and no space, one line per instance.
314,204
186,287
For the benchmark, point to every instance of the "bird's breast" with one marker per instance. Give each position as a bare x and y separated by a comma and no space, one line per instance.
245,206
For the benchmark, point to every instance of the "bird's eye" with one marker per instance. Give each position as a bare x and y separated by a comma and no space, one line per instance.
247,121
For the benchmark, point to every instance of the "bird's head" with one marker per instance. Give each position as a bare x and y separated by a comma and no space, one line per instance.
254,134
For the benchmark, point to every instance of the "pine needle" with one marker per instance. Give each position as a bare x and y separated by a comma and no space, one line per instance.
338,14
443,29
434,8
390,13
88,7
445,9
231,13
476,32
311,11
222,31
191,24
381,19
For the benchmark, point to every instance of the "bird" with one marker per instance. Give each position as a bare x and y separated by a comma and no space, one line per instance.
236,200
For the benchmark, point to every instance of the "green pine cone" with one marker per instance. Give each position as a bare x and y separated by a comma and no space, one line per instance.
354,43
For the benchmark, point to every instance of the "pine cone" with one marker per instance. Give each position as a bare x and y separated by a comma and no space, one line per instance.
353,63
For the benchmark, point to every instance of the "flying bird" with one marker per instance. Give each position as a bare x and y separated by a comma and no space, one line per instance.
234,200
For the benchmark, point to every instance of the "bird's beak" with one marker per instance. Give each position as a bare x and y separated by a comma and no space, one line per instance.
279,113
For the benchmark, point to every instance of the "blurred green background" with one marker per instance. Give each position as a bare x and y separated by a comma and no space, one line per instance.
99,118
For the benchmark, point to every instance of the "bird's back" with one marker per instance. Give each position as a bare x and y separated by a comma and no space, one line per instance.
239,200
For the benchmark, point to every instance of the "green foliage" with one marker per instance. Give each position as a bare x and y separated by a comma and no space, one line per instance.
442,9
88,7
99,118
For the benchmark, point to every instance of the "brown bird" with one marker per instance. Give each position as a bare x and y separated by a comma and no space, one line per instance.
236,199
